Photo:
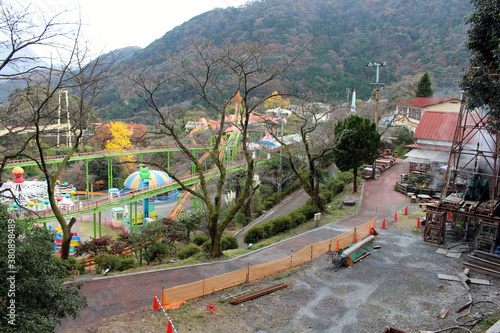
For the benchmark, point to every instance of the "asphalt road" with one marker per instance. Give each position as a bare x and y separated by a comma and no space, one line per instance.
111,296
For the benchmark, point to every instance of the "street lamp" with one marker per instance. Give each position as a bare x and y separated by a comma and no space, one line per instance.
378,65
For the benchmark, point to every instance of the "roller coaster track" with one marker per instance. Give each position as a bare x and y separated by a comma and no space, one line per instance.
103,153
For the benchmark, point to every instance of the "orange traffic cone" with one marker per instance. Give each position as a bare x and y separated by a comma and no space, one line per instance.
355,237
418,222
383,224
170,327
156,307
406,210
373,231
337,246
396,217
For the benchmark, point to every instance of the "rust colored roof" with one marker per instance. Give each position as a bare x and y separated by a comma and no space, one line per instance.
420,102
437,125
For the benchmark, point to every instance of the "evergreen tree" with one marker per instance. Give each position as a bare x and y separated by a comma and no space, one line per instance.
32,296
482,84
424,88
358,144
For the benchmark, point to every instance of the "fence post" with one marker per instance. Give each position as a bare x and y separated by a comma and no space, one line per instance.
311,252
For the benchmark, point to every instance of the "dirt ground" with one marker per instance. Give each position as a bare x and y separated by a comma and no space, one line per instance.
396,286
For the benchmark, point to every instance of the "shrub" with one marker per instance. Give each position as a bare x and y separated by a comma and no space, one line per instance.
207,246
126,262
188,251
345,176
106,260
267,226
296,218
281,224
229,243
327,195
337,187
309,210
255,234
240,218
200,240
155,251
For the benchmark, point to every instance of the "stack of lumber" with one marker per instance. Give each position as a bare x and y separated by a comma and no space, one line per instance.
484,262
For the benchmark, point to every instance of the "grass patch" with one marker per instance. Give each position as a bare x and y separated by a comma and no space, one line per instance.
86,230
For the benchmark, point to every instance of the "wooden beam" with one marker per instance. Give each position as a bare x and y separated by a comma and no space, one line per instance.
259,293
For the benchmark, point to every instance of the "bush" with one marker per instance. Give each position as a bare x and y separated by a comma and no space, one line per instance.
106,261
268,203
207,246
200,240
327,195
268,227
345,176
280,224
188,251
337,186
126,262
229,243
255,234
309,210
155,251
240,218
296,218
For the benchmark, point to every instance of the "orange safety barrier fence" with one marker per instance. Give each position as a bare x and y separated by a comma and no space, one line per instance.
217,283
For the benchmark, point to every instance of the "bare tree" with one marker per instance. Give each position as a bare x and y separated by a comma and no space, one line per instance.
314,140
241,75
19,33
33,114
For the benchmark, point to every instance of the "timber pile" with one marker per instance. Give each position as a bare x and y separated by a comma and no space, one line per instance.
484,262
259,293
381,164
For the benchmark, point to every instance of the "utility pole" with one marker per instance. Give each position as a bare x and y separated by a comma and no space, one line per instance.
378,65
377,88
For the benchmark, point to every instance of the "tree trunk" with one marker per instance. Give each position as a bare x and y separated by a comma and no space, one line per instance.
216,250
66,238
354,181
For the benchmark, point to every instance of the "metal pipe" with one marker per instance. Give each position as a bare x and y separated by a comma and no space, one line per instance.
358,246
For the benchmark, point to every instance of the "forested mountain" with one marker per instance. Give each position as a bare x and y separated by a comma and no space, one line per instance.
411,36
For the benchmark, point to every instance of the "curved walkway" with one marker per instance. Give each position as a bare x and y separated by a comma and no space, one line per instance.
114,295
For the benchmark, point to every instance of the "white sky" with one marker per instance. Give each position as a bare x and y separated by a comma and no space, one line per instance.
113,24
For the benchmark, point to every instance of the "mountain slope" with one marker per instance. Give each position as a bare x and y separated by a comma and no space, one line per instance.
412,36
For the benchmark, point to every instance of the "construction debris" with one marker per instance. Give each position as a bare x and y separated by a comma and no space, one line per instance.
258,293
484,262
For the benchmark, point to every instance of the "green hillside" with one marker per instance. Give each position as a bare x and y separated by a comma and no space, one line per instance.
412,36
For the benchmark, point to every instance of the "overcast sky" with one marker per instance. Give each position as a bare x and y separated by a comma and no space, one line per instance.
113,24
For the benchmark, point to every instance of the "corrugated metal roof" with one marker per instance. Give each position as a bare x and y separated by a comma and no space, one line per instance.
437,125
420,102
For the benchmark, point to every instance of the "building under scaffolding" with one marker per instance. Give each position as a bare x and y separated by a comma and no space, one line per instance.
469,197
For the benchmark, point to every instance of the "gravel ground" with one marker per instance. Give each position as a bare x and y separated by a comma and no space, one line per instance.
395,286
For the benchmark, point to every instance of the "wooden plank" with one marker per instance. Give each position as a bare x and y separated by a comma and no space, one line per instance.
493,265
472,280
463,279
259,293
482,269
487,256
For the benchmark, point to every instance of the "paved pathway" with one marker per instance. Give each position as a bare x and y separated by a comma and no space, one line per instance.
110,296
